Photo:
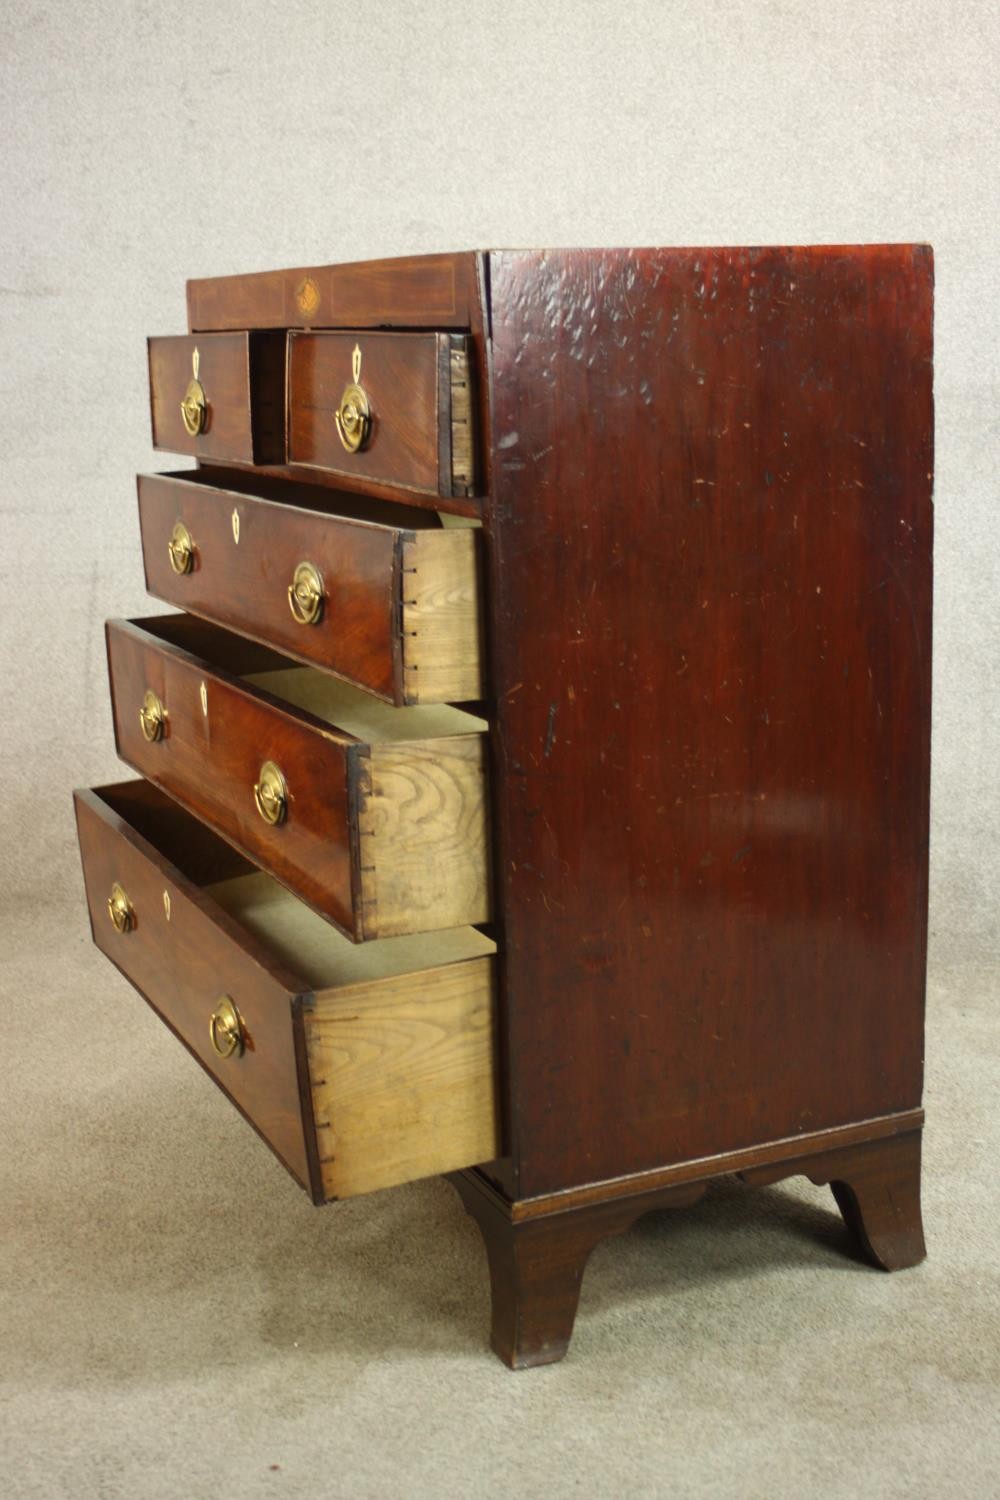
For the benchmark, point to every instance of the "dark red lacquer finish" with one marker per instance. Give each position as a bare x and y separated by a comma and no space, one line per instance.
210,755
244,585
242,376
710,543
407,380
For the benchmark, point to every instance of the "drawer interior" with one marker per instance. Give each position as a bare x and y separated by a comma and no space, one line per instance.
384,823
339,704
321,955
321,499
357,713
310,947
398,1033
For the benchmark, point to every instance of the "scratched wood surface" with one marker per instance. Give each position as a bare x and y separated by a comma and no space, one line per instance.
711,657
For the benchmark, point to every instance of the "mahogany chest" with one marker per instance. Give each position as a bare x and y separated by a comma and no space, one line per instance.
534,779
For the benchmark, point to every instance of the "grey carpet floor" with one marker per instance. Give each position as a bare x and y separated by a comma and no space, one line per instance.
177,1321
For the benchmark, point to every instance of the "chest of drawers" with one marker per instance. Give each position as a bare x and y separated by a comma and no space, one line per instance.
534,781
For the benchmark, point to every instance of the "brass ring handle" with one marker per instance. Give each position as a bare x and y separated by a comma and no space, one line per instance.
270,793
305,594
354,418
120,909
225,1029
152,717
180,549
194,408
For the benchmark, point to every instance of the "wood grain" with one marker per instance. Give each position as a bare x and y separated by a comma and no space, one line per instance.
423,833
436,291
407,378
395,1046
354,780
417,290
243,378
211,762
536,1265
183,961
365,557
403,1077
711,661
876,1186
538,1249
442,625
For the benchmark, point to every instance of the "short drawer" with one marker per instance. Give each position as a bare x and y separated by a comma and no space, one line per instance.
219,395
361,1067
374,815
382,595
395,408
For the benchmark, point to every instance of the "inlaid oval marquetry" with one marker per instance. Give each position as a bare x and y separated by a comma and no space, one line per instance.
307,296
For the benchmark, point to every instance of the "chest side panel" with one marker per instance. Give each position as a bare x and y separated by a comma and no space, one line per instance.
710,544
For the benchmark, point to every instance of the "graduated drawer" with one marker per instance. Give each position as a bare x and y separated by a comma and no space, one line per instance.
393,408
219,395
384,596
374,815
360,1067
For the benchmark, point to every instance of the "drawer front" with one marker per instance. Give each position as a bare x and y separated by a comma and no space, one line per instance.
210,756
241,560
361,1067
184,957
243,557
383,839
393,408
219,395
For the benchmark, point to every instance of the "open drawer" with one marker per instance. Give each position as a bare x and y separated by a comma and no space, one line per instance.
390,407
219,395
360,1066
382,595
374,815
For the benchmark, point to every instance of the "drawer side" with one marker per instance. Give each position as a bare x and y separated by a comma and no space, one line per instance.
403,1077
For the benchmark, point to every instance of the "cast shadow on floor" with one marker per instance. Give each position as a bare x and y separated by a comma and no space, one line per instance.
220,1259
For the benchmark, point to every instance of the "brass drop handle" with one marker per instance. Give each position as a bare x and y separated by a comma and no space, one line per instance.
120,909
152,717
270,793
354,415
305,594
225,1029
181,549
194,407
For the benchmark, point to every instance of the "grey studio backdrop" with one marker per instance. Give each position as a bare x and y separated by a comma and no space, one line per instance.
144,143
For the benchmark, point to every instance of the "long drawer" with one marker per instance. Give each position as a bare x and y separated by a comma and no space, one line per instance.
383,596
374,815
361,1067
